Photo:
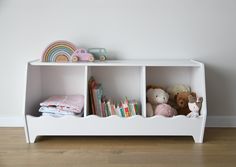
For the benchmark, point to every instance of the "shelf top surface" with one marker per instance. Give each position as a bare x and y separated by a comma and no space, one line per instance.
161,62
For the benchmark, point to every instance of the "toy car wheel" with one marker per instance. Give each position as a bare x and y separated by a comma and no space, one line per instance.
91,58
102,58
75,59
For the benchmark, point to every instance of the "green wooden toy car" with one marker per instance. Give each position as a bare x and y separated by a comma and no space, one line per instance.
98,53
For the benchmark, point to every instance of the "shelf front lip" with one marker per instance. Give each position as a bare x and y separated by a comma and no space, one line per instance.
113,125
137,63
116,117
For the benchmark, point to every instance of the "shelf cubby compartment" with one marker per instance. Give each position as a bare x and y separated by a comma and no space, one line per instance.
119,82
171,75
192,75
46,81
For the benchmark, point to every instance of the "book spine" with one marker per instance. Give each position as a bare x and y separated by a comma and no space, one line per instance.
117,109
103,107
122,112
92,84
135,107
99,98
126,110
96,105
113,109
132,109
109,107
107,110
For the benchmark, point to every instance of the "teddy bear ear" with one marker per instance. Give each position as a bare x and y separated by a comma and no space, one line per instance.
148,87
193,94
175,97
149,92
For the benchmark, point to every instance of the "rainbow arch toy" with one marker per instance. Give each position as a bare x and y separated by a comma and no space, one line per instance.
59,51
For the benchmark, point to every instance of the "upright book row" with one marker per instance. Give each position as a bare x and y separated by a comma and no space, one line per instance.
103,107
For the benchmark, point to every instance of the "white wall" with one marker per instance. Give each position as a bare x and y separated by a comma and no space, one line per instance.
130,29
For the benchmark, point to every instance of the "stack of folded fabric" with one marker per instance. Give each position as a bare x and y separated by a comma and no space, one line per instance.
58,106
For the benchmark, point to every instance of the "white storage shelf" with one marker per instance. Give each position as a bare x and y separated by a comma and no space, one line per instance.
119,78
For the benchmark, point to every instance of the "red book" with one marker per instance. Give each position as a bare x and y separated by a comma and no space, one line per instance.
92,84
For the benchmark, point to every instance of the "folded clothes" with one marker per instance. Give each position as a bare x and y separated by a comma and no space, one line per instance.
60,115
54,110
72,103
51,111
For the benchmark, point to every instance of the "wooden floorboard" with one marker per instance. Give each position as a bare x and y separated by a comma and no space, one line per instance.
219,149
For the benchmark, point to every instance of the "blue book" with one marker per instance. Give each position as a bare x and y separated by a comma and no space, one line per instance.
99,99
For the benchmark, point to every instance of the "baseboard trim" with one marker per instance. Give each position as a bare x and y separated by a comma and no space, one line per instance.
221,121
212,121
11,121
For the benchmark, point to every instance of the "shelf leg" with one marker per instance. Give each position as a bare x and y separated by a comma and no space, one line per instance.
198,139
32,138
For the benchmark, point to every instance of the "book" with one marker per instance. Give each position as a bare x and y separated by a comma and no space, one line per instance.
103,108
107,110
126,109
91,86
109,107
95,99
117,110
121,109
113,109
132,109
99,99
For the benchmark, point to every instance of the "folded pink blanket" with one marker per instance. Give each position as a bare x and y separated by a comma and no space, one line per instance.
74,103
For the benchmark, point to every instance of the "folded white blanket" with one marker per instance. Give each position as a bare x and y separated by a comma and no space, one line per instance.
58,115
55,112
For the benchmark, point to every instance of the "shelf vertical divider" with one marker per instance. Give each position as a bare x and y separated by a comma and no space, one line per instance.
143,90
85,91
204,103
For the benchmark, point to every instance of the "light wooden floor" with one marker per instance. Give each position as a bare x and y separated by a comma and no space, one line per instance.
219,149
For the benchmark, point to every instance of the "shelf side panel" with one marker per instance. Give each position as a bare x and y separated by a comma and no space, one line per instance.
86,102
33,90
143,90
199,86
32,94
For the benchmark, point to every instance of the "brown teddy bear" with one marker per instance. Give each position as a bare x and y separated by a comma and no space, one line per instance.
182,102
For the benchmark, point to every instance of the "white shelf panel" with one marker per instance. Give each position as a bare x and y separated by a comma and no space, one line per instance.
114,126
177,63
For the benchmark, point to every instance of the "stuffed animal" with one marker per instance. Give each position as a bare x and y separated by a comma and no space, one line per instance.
153,87
182,102
149,110
175,89
194,105
165,110
157,99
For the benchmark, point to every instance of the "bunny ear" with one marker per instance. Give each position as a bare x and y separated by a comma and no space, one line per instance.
191,99
200,99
